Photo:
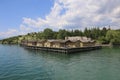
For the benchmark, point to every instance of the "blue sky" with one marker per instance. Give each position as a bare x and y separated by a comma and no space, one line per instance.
12,11
23,16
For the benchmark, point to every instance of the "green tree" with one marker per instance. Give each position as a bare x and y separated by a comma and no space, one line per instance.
48,33
113,36
103,40
87,33
61,34
104,31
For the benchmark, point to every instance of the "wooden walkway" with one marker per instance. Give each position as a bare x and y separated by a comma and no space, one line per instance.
64,50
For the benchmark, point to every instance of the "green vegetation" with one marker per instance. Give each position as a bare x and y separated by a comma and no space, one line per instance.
103,36
113,36
12,40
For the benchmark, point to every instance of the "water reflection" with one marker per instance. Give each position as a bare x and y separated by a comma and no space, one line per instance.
60,57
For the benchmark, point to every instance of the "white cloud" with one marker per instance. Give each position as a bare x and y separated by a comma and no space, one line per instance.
24,29
14,32
73,14
9,33
81,13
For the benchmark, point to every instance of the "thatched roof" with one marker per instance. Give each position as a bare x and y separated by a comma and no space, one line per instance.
41,41
84,40
58,41
79,38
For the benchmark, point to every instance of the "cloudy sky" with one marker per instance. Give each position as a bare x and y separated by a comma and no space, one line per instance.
23,16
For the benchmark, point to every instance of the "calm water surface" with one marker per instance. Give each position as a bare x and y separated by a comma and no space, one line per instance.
17,63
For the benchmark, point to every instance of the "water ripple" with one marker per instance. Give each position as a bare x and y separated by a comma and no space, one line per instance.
17,63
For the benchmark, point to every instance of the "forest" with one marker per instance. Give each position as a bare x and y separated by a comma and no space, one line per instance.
102,36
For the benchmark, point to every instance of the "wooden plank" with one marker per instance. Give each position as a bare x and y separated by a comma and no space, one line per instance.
63,50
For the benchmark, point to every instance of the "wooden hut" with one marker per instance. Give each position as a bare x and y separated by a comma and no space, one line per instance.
59,43
73,44
31,43
62,43
24,42
47,44
87,43
82,41
55,43
41,43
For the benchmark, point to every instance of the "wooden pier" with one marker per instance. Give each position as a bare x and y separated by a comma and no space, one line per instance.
64,50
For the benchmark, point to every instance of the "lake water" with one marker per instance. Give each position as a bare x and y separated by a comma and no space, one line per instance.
17,63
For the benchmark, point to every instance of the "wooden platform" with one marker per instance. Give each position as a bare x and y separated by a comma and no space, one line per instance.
64,50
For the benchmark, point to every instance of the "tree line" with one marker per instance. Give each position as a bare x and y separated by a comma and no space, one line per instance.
103,36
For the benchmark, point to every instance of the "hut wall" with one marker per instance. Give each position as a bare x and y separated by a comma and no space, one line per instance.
29,44
40,44
56,45
47,44
87,44
73,44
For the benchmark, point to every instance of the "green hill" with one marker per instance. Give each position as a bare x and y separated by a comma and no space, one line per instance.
103,36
